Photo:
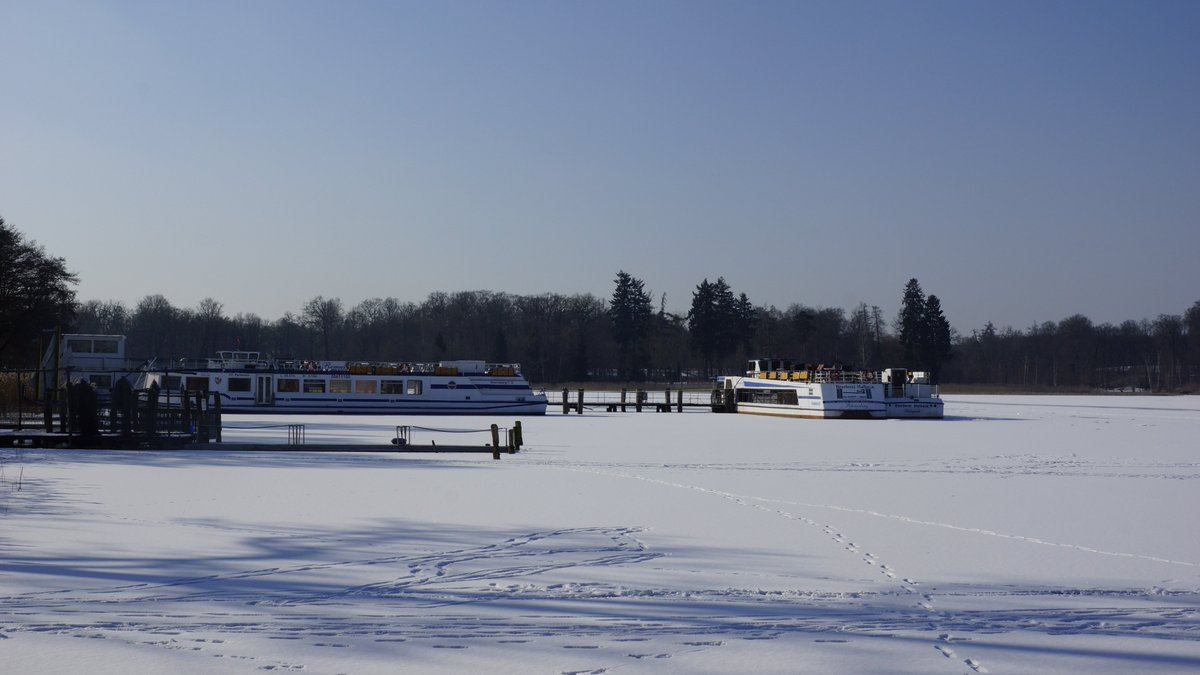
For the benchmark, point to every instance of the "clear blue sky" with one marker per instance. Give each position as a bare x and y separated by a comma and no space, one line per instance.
1024,160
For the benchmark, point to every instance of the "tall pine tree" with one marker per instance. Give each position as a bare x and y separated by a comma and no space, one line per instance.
936,343
911,323
630,312
718,322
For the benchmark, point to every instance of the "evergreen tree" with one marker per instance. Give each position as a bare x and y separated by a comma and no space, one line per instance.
747,320
936,343
727,328
702,323
911,323
719,323
630,313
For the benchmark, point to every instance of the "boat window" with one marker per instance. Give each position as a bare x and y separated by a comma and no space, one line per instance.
366,386
339,386
314,386
414,387
287,385
197,384
239,384
392,386
105,346
80,346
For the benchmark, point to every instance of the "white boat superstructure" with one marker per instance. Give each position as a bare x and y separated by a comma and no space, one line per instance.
247,382
96,359
909,394
790,389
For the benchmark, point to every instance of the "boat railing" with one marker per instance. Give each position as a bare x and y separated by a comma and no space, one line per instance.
816,376
251,361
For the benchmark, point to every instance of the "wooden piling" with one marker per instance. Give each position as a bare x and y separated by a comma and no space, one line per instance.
580,408
518,437
186,420
495,442
622,399
216,414
678,401
201,417
566,401
666,401
640,395
64,409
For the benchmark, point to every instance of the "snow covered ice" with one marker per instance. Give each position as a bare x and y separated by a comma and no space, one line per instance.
1021,534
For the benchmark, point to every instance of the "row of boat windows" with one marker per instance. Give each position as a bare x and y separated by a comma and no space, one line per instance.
82,346
773,396
293,385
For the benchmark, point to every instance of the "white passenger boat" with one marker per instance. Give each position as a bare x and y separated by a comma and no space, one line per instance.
909,394
783,388
246,382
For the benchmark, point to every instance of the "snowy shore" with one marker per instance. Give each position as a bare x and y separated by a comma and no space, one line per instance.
1021,534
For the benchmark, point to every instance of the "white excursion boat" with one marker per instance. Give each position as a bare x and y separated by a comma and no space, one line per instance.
909,394
787,389
246,383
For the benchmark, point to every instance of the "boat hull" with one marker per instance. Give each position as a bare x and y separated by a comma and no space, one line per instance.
807,400
824,413
915,408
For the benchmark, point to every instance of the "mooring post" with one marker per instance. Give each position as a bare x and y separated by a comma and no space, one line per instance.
566,401
520,437
216,414
622,399
495,442
667,401
638,404
580,408
201,417
185,423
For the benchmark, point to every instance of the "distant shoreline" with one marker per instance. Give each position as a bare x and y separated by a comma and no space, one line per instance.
946,389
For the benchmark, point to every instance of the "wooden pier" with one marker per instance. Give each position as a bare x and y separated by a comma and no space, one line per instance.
636,400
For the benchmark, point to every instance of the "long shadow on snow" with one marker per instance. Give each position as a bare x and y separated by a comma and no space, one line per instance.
284,458
409,580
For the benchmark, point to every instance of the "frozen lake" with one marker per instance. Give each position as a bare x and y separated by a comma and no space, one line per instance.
1021,534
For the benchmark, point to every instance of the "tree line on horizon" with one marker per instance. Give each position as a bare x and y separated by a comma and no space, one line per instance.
581,337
